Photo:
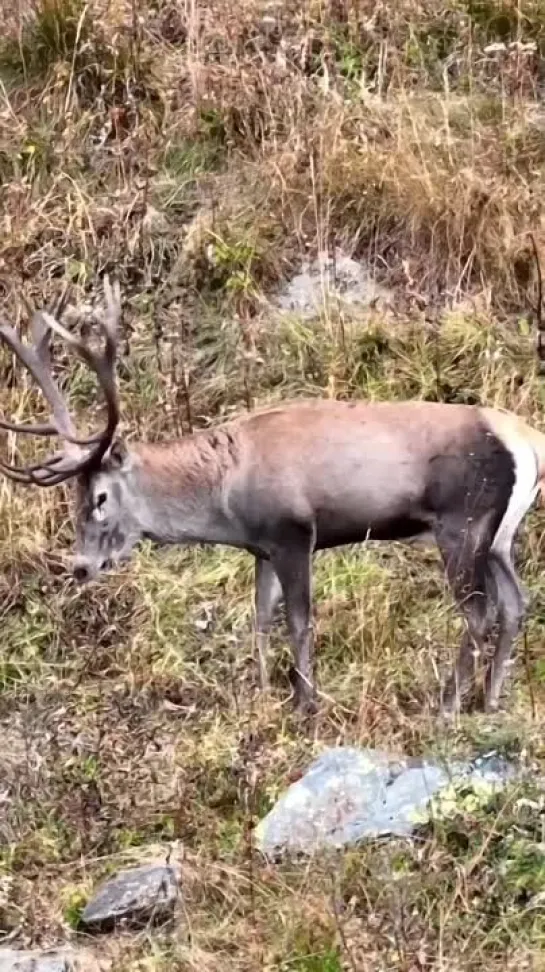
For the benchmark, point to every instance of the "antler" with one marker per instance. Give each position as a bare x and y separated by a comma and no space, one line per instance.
81,454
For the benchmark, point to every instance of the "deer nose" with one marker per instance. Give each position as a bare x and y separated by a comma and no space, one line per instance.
81,573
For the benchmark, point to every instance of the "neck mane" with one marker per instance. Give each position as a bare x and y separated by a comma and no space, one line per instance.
177,487
194,462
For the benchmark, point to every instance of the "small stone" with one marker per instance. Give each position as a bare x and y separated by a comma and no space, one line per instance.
134,896
51,960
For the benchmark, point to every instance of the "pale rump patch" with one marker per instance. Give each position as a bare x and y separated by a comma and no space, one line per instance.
527,449
523,495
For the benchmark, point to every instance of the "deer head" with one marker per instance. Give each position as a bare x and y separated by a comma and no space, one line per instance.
98,463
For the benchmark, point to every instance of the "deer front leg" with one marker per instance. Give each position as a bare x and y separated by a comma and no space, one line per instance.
268,593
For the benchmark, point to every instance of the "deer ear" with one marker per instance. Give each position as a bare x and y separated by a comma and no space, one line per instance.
118,456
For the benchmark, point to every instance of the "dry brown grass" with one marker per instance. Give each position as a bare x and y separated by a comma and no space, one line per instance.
199,152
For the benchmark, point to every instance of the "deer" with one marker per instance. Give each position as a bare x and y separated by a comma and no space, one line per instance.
290,479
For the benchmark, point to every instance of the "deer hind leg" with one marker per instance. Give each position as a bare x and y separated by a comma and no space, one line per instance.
268,594
293,564
511,610
465,547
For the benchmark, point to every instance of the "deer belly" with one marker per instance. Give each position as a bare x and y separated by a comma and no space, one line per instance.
335,530
385,506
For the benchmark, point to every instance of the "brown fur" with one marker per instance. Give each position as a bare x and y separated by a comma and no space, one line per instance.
295,426
288,480
197,462
276,435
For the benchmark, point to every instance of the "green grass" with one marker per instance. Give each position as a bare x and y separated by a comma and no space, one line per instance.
201,165
151,671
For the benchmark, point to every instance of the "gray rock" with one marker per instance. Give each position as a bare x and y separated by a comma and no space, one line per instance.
342,278
348,795
137,895
52,960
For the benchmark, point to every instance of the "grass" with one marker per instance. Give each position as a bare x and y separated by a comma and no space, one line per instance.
201,155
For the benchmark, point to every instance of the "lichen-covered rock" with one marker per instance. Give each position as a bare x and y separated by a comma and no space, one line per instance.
348,795
141,894
51,960
339,277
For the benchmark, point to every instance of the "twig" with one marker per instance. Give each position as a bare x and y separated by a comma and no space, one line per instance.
339,925
531,693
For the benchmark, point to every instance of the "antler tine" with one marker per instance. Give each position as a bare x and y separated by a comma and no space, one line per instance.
110,324
103,364
45,429
112,296
36,360
40,331
40,474
32,363
60,467
12,472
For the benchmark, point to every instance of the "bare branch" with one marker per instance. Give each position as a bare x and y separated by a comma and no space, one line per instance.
539,308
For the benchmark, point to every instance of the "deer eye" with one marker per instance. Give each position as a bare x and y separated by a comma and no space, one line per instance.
99,511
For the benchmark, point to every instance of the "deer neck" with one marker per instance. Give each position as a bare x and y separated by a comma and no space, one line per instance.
177,496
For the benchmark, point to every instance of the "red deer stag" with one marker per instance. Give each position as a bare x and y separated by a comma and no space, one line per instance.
299,477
